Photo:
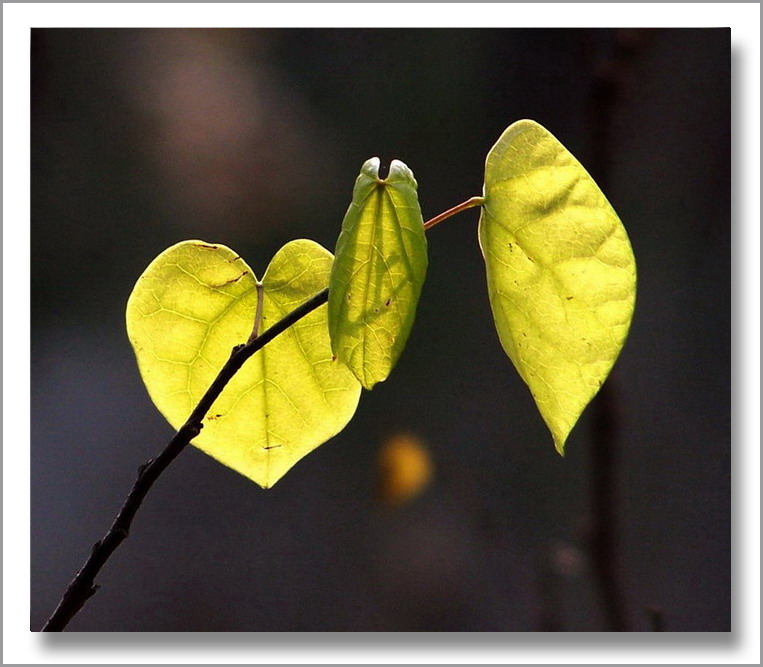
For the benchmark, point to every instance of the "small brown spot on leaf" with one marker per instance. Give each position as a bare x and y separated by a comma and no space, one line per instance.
570,297
209,246
333,357
387,302
232,280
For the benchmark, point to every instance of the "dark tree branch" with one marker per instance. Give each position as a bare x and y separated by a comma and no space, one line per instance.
604,542
610,75
656,620
83,585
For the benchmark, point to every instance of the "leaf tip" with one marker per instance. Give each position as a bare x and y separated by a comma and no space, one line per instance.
368,381
370,168
398,172
401,172
559,445
560,431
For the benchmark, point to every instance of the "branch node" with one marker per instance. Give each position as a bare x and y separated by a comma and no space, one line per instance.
191,429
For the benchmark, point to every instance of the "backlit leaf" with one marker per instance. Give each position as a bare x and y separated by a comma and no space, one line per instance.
381,262
560,272
192,305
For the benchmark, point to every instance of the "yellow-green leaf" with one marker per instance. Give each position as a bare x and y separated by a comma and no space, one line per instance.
193,304
560,271
380,266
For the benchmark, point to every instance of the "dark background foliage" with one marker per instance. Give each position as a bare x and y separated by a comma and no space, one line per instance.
142,138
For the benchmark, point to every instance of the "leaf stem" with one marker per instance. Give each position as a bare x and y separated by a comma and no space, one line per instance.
83,585
463,206
258,313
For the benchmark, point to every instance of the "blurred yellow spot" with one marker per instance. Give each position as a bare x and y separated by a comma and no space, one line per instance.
404,469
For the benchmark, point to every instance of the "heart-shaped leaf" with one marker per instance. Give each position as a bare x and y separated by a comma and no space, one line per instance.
560,272
380,266
193,304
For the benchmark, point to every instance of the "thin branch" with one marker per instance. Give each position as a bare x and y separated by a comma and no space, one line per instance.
463,206
83,585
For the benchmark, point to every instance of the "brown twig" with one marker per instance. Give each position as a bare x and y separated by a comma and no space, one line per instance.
463,206
83,586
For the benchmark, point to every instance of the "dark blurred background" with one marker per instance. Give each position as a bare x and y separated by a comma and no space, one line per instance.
145,137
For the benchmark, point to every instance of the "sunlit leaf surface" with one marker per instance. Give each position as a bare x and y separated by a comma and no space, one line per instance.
560,271
381,262
192,305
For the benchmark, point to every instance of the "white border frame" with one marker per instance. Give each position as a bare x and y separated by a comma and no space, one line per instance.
23,646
